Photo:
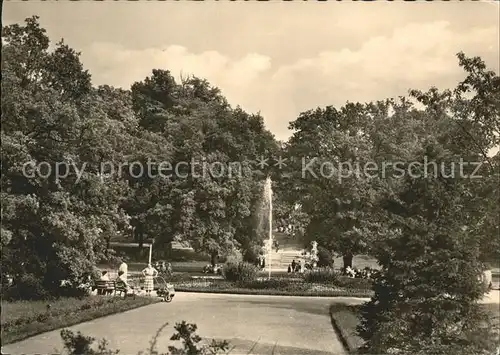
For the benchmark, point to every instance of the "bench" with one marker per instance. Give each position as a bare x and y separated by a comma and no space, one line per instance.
110,287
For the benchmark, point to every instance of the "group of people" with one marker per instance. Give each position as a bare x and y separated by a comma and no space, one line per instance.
295,266
163,267
366,273
261,262
149,274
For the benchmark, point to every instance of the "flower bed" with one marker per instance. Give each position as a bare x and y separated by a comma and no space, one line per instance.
270,287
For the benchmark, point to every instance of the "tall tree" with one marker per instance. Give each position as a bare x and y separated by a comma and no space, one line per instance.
432,225
52,118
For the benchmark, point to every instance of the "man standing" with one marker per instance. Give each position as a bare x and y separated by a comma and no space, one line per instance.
294,265
124,269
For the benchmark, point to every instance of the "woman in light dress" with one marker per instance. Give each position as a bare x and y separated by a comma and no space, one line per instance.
149,274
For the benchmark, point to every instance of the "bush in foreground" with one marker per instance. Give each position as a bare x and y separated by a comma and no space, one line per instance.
78,344
239,272
346,320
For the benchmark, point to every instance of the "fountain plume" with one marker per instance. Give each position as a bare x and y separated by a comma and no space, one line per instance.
268,197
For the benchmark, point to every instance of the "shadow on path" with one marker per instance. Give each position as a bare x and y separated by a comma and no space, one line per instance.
244,346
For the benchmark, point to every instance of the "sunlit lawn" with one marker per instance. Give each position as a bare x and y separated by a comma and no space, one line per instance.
22,319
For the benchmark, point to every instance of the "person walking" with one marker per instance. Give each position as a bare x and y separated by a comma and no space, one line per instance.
149,274
294,264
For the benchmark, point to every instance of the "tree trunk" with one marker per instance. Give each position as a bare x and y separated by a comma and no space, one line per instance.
347,258
213,258
140,238
108,242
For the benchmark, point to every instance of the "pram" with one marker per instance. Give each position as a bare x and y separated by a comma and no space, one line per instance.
164,289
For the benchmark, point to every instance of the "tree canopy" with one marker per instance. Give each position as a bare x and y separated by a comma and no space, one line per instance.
117,162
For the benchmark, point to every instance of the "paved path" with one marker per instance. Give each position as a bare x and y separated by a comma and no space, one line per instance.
492,297
290,325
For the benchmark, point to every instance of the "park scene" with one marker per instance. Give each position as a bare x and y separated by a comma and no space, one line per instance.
163,218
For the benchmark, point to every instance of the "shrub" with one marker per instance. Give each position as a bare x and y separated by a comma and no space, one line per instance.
251,256
26,287
234,256
321,275
358,284
78,344
239,272
325,257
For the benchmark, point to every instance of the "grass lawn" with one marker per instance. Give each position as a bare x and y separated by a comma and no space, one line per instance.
359,262
345,320
23,319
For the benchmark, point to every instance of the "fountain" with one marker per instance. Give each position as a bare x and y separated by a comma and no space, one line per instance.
314,254
268,196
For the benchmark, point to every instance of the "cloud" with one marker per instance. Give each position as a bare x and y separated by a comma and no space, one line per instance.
417,55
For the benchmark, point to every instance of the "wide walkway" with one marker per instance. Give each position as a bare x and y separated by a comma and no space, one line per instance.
267,324
264,324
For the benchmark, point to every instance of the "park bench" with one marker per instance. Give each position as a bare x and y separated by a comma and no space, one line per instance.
110,287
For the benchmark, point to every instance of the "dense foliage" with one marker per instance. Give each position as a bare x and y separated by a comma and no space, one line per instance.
412,185
57,227
239,272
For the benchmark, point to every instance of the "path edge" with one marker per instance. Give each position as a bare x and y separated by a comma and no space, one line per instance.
338,332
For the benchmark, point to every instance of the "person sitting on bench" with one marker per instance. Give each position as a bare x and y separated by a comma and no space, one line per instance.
121,283
104,277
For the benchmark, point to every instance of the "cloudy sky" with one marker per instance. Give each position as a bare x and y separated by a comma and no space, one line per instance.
277,58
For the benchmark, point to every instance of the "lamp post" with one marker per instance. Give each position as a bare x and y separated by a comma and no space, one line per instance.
269,252
150,252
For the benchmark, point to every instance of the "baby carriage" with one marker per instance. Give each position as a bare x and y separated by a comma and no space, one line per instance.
164,289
